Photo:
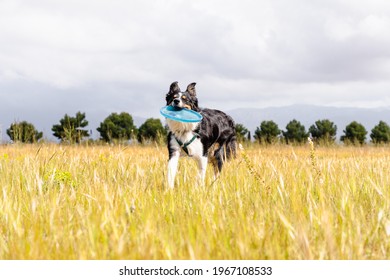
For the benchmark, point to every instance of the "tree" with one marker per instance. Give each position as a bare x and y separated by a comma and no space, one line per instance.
355,133
380,133
70,128
152,130
118,127
24,132
324,132
295,132
242,133
268,132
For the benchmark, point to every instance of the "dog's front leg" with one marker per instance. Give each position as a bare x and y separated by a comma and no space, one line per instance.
172,168
202,165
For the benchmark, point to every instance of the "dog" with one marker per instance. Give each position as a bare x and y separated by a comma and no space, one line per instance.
213,138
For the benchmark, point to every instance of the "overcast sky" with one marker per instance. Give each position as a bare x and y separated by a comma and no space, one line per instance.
104,56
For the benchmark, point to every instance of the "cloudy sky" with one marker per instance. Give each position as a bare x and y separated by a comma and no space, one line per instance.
104,56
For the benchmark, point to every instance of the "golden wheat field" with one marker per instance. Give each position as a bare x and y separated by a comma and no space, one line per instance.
276,202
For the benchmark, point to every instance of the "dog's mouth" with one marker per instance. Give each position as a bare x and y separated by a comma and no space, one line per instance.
179,106
176,107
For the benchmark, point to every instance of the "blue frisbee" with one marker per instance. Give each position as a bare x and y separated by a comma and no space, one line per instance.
180,114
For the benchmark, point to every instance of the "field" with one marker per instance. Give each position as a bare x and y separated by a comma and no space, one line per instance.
277,202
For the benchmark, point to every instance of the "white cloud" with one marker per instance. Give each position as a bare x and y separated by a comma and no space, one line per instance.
123,54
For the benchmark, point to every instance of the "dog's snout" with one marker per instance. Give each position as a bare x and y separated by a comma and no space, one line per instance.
176,101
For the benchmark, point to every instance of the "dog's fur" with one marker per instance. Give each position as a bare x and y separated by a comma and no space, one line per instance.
215,134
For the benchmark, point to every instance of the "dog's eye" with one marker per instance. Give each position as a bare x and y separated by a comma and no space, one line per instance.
184,97
176,96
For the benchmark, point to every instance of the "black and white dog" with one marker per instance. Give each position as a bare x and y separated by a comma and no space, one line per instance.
213,138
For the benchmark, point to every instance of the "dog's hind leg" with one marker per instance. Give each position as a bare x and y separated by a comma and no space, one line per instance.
218,160
215,167
172,168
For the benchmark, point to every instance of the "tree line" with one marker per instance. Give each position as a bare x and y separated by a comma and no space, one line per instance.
323,132
119,128
116,128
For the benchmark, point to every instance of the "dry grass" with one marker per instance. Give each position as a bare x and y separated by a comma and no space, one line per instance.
64,202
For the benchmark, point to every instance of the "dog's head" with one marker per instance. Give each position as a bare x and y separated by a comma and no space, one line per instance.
187,99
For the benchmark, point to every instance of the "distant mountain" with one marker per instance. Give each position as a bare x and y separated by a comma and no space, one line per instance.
309,114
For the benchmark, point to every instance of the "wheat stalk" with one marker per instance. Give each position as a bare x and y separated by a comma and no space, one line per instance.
313,159
250,166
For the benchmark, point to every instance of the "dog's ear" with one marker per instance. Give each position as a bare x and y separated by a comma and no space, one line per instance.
174,87
191,89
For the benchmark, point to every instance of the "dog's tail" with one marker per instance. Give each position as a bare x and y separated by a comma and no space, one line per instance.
225,152
226,149
231,143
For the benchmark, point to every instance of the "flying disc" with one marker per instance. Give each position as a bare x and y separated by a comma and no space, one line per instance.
180,114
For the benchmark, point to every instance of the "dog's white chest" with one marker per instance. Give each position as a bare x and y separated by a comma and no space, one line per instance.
180,127
185,137
195,149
